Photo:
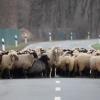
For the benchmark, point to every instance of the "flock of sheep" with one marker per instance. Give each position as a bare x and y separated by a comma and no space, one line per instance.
54,61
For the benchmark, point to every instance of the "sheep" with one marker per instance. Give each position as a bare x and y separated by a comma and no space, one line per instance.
82,64
49,63
53,55
65,65
7,64
96,53
95,66
23,63
40,67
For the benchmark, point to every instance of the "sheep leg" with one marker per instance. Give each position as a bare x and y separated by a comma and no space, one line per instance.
94,73
6,73
50,72
80,73
9,74
55,71
91,73
69,74
25,73
42,74
47,72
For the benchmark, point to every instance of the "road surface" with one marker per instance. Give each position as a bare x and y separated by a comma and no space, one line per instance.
64,44
50,89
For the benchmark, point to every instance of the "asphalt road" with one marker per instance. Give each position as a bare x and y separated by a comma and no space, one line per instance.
50,89
64,44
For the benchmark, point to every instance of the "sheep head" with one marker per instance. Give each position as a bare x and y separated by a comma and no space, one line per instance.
14,57
34,54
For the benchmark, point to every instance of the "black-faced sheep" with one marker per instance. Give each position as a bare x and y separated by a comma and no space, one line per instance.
40,68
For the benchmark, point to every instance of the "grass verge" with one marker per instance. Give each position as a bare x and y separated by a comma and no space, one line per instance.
20,47
96,46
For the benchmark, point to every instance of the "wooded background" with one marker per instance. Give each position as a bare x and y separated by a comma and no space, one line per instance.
60,17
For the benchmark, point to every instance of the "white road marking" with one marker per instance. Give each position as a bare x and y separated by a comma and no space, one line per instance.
58,89
57,98
58,82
